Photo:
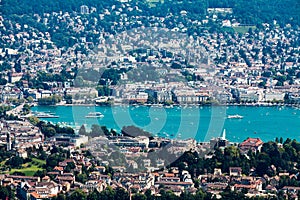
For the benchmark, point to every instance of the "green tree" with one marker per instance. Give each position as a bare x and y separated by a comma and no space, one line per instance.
82,178
15,162
121,194
3,81
93,195
107,194
82,130
69,99
48,131
227,194
33,120
139,196
40,173
6,193
60,197
78,194
70,166
30,99
133,131
96,130
26,109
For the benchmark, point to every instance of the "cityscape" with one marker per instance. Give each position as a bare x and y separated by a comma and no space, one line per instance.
149,99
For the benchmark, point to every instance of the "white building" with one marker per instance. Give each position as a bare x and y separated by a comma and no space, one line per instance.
84,10
270,96
82,139
163,96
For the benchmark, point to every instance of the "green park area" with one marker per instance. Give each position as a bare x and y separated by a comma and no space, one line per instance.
28,168
243,29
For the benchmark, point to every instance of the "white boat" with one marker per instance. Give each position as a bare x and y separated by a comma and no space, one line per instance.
168,106
235,117
94,115
45,115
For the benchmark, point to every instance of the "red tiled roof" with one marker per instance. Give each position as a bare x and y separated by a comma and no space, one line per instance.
58,168
173,183
169,175
251,142
245,186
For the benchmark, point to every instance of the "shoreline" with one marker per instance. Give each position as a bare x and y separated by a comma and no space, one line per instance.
178,105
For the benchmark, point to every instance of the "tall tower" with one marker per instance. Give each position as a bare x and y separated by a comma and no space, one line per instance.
224,134
8,142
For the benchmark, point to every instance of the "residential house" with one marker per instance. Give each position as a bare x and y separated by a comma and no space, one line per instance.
253,144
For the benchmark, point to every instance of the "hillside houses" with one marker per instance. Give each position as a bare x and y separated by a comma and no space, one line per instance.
20,135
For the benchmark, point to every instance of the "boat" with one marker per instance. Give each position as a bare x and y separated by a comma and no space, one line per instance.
235,117
94,115
45,115
168,106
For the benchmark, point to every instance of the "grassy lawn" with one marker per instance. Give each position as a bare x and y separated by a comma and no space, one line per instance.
28,171
243,29
38,161
30,168
3,163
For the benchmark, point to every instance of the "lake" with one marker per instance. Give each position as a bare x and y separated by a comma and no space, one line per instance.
201,123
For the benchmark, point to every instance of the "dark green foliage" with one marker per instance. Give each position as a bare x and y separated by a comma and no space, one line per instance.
82,178
3,109
283,159
5,66
133,131
121,194
139,197
52,100
6,193
232,195
191,77
109,194
15,162
96,130
68,99
103,91
77,194
42,77
50,130
60,197
82,130
57,155
3,81
16,173
40,173
112,75
4,154
176,65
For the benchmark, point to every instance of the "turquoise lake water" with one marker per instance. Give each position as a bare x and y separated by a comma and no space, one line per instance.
201,123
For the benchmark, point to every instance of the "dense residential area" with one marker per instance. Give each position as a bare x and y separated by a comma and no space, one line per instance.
158,53
62,53
69,166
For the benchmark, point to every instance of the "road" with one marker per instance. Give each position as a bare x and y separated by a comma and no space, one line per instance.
16,111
